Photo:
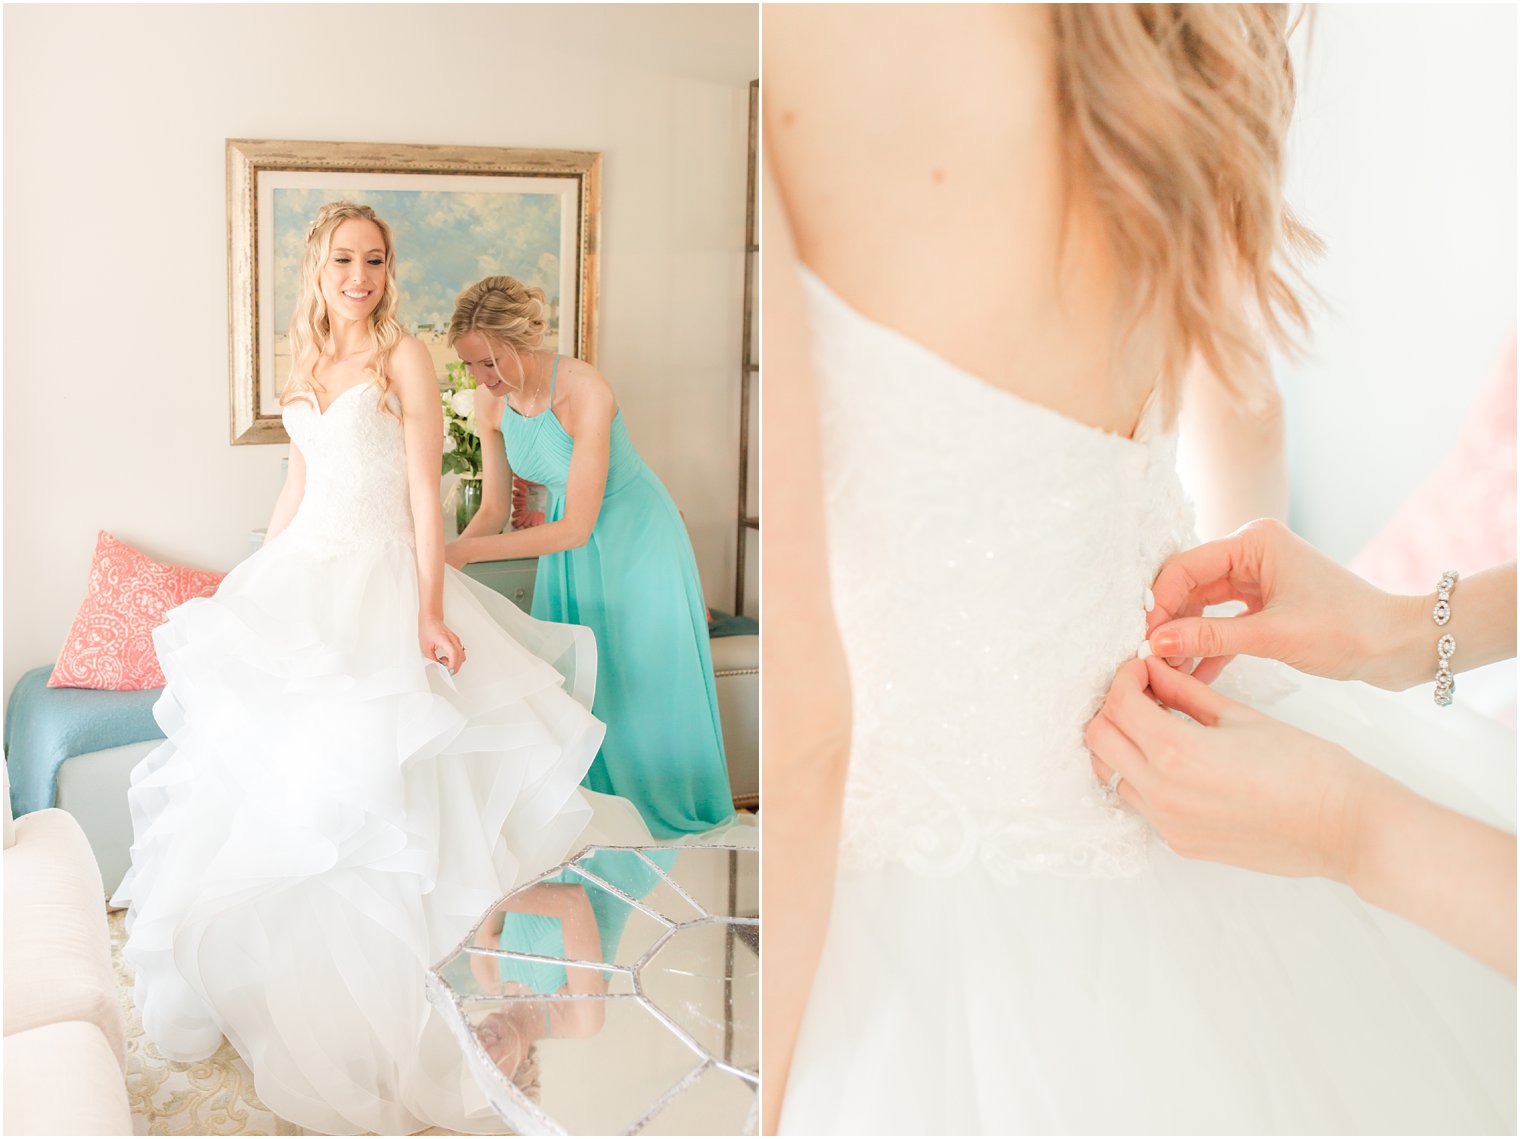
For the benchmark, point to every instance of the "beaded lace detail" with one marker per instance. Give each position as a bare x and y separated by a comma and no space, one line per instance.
356,486
989,559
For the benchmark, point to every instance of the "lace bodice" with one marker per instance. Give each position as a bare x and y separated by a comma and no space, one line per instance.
356,488
989,560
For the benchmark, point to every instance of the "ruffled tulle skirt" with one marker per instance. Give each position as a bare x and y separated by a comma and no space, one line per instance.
330,813
1191,998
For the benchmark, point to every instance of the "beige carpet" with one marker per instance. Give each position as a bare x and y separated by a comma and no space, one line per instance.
210,1097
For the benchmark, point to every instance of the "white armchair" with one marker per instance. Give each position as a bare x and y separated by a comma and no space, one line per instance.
65,1042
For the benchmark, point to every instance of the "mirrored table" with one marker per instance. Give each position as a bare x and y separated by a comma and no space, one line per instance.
616,994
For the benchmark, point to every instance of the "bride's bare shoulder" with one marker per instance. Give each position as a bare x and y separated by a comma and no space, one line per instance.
875,113
917,54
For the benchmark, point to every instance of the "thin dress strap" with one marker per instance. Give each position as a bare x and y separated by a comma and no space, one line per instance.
553,375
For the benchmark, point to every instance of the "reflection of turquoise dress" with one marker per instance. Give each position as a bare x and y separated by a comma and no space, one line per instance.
635,584
538,933
533,933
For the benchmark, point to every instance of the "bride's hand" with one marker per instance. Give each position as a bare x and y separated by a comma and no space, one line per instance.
1235,786
1302,608
440,644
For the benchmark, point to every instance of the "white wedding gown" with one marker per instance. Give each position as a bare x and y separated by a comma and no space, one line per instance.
330,812
1009,953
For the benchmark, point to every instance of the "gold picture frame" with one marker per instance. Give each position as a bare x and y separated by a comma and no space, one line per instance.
539,210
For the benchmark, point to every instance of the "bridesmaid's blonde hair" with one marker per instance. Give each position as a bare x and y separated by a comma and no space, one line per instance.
505,309
1175,117
310,325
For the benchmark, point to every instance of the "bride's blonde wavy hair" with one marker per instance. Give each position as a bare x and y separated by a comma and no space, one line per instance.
310,325
505,309
1175,118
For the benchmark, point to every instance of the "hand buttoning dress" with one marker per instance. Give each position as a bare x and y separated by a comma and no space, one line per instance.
330,812
1011,953
635,584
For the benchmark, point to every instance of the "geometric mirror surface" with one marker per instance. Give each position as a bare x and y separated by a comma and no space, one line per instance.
617,994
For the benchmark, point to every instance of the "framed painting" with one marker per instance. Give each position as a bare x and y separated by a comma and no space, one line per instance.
457,214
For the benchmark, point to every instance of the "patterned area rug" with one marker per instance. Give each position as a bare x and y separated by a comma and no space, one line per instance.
210,1097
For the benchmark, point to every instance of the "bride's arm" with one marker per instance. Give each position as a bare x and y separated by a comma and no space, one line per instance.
289,502
805,706
415,384
1232,453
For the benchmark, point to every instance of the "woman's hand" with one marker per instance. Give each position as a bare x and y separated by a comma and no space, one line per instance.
440,644
1236,786
456,553
1301,608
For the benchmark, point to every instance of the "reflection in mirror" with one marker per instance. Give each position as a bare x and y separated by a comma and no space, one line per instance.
710,986
710,876
641,874
476,973
549,919
617,971
630,1039
717,1103
509,1031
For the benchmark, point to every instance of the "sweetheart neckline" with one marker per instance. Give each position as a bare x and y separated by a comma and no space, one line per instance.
917,347
316,406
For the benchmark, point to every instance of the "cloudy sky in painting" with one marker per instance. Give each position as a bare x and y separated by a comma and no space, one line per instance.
444,243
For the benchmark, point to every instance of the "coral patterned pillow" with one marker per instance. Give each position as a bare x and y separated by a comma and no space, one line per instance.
110,644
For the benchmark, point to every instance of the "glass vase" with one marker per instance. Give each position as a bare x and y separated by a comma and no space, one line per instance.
466,502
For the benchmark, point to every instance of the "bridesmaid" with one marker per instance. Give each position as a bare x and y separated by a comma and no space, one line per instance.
612,554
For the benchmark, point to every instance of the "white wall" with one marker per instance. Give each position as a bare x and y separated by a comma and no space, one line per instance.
115,354
1402,156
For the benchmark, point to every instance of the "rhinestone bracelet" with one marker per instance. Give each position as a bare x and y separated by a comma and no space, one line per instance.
1446,684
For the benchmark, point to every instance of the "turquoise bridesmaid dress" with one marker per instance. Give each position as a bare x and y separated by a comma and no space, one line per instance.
635,585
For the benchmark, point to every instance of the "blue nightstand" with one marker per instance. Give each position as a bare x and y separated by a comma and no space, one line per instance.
512,578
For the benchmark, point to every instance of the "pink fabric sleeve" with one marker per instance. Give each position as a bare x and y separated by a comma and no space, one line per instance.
1463,516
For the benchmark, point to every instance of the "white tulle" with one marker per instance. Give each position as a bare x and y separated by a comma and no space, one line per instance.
330,812
1009,953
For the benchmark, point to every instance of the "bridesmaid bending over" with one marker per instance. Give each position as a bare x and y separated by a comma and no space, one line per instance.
612,555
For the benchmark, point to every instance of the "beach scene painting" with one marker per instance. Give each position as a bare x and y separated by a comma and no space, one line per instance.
446,239
456,213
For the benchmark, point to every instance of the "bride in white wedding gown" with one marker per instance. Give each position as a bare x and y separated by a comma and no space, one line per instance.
969,484
332,809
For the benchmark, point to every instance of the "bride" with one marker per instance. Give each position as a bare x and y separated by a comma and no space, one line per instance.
364,750
1006,247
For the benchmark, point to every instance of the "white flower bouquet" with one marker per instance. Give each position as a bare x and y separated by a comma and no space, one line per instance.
461,437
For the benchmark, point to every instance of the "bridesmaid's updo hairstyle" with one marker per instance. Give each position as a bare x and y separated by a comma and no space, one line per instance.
505,310
311,324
